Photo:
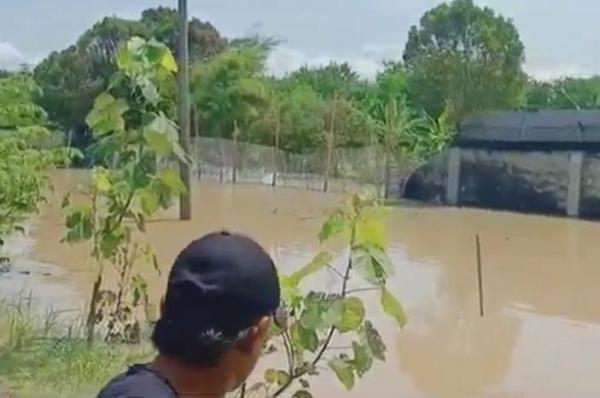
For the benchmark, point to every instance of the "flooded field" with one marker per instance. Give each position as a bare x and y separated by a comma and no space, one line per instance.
541,333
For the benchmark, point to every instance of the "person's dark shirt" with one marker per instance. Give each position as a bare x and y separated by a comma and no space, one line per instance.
138,382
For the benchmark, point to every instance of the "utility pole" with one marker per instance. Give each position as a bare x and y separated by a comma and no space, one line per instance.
185,202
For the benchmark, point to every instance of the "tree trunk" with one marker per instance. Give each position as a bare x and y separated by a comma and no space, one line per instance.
386,176
196,137
276,147
183,78
91,318
222,160
330,137
235,152
328,162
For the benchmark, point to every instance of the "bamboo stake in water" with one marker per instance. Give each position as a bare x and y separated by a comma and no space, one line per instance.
479,275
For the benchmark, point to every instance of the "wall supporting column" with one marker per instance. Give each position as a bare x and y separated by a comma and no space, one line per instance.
452,189
574,193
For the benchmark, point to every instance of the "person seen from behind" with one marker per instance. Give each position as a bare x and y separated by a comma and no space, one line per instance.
222,293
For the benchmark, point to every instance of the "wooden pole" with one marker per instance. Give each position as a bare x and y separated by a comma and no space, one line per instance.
185,202
479,275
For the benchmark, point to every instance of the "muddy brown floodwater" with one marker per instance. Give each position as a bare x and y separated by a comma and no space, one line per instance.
541,333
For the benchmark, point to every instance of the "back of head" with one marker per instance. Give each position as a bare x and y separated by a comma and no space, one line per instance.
218,288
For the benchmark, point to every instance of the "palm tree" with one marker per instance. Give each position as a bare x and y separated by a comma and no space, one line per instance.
399,131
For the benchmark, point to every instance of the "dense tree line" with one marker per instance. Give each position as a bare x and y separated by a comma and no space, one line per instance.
459,59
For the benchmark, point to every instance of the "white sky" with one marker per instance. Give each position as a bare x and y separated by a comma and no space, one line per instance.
561,37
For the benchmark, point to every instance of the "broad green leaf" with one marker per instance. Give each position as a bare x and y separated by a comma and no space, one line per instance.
79,224
171,179
124,58
353,314
270,376
161,135
168,61
149,90
320,261
158,142
305,338
362,358
393,307
335,224
110,242
371,264
159,54
321,311
312,315
149,201
107,114
372,339
382,259
370,228
290,292
142,172
282,377
135,44
344,372
101,179
333,315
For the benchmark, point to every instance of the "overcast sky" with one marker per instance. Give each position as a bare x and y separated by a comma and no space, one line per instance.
561,37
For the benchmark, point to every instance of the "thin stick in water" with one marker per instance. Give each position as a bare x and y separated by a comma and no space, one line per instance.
479,275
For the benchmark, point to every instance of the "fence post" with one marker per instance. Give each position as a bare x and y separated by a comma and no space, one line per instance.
453,187
221,160
574,184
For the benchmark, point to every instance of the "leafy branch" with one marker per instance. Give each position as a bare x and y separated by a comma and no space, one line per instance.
131,123
311,322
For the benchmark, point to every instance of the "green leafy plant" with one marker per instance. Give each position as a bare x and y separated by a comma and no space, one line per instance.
309,323
139,177
25,156
22,177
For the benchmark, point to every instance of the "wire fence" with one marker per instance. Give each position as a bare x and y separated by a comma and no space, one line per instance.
227,161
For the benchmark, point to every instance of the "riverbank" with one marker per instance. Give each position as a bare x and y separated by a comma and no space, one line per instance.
43,352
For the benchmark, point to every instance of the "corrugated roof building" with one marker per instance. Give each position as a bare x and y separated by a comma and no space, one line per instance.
569,127
543,162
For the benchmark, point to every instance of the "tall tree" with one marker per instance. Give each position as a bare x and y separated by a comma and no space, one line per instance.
72,78
299,109
333,80
230,94
465,57
17,109
205,40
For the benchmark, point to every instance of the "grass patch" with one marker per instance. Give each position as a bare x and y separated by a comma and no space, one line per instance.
40,354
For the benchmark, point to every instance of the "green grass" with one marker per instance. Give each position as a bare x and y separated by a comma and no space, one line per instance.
39,354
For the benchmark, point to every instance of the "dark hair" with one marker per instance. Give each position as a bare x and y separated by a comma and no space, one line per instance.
191,345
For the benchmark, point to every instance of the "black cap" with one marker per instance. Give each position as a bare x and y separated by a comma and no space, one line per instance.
224,282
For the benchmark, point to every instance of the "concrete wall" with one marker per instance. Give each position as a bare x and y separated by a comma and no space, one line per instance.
549,182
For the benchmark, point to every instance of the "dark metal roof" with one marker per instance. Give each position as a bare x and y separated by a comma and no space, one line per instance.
552,126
